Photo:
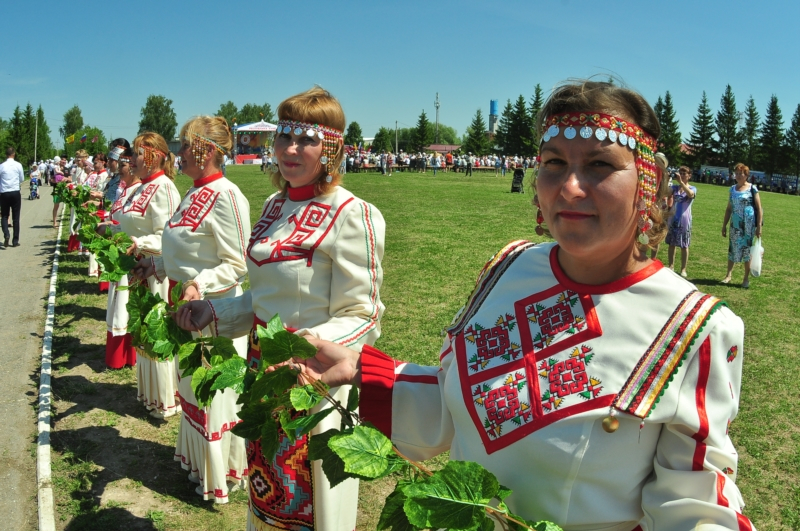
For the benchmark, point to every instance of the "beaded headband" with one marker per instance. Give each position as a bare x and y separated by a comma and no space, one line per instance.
606,127
150,154
116,152
200,145
330,139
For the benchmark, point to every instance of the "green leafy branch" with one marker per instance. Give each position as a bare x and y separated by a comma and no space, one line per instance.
151,325
461,496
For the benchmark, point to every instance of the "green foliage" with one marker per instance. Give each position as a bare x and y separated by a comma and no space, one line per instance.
750,131
771,141
520,139
536,105
501,136
422,135
793,143
728,145
91,147
20,135
475,140
701,139
354,136
73,122
158,116
151,325
44,145
384,141
252,112
229,111
670,141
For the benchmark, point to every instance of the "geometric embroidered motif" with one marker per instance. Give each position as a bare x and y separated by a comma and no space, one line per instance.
556,319
568,377
202,202
492,342
732,353
506,402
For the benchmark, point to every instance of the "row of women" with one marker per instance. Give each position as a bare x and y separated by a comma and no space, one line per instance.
593,381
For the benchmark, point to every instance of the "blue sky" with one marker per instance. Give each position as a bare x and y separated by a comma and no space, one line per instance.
385,61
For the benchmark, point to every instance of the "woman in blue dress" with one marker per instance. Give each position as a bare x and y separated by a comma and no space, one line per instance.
745,215
680,226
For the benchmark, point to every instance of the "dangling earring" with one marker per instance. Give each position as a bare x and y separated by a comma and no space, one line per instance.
328,178
539,217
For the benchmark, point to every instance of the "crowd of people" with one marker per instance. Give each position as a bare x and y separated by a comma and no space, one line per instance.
359,160
557,397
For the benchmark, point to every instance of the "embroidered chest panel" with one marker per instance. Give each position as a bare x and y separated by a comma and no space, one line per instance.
530,365
284,235
137,203
200,203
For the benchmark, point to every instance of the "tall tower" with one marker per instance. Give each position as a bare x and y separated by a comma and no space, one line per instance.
437,117
493,116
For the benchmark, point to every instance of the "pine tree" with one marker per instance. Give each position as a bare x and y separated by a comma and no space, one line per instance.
701,138
670,141
793,143
44,147
158,116
501,137
728,144
536,106
384,140
520,138
475,141
771,140
658,108
750,131
423,133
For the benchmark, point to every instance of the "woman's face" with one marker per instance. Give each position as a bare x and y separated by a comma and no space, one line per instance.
587,190
137,164
298,158
188,165
740,175
99,165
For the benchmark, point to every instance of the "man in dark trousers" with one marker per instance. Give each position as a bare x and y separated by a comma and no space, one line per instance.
11,176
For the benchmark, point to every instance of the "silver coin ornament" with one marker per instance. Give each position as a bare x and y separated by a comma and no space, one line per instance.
623,139
311,132
631,142
321,135
546,138
586,132
570,133
274,160
552,130
298,131
600,134
644,239
287,129
323,159
612,135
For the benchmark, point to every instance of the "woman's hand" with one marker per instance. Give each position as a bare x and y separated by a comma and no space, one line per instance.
194,315
144,268
724,231
95,195
190,293
132,250
758,231
334,364
102,228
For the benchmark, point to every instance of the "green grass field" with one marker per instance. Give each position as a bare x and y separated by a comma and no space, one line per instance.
440,231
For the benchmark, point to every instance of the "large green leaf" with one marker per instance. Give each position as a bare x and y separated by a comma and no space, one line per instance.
455,497
274,383
274,326
176,292
305,423
231,375
352,399
393,516
304,398
198,378
223,346
270,440
253,417
332,464
284,346
366,451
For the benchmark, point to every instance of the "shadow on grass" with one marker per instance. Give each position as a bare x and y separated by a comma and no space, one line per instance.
79,312
110,518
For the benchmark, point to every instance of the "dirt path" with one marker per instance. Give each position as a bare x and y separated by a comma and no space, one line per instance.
25,271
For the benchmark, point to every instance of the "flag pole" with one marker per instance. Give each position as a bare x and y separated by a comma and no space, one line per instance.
36,137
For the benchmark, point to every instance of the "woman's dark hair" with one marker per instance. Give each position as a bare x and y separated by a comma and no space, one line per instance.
119,142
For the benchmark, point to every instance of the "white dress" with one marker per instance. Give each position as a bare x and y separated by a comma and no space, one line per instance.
205,241
535,362
316,261
143,216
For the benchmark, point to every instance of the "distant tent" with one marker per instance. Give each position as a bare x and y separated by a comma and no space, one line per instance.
442,148
256,127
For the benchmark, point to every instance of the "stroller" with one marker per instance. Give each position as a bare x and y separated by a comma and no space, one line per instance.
34,188
516,181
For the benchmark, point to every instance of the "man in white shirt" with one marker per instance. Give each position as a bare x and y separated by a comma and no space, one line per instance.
11,176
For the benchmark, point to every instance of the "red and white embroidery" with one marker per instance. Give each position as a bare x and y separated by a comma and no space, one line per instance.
310,229
565,378
139,206
502,401
203,201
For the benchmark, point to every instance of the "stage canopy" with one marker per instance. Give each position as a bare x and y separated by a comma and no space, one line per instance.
256,127
442,148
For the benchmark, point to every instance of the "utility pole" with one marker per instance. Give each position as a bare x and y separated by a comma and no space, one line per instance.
396,148
36,137
437,117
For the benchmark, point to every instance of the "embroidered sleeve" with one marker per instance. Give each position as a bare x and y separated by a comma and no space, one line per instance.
356,276
230,223
160,272
406,401
233,317
693,486
159,211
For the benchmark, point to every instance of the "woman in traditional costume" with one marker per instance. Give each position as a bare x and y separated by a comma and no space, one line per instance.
143,215
97,180
592,381
745,215
120,352
78,177
314,257
203,247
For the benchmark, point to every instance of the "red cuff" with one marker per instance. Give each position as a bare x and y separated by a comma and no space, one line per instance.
377,383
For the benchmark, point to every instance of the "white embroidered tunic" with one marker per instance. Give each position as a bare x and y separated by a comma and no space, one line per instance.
534,363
